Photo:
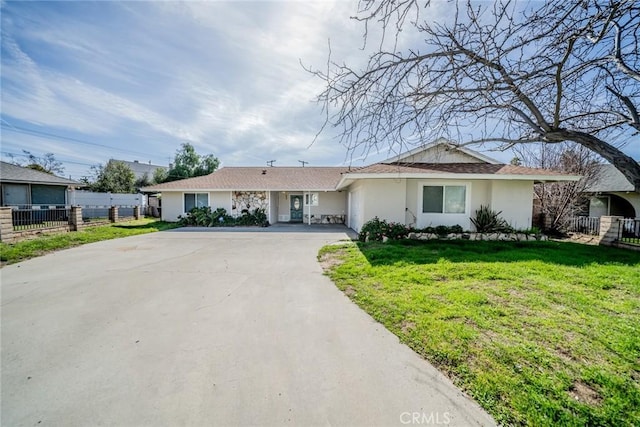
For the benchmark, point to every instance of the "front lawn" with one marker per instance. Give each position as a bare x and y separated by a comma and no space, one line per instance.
539,333
19,251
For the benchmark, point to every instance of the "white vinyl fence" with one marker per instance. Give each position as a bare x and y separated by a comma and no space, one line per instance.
89,198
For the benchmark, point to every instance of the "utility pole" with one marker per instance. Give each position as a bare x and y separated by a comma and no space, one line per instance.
303,162
270,163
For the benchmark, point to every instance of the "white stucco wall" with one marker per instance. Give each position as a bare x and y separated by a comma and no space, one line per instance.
331,203
439,154
515,200
171,206
273,207
173,203
401,201
384,198
355,206
220,199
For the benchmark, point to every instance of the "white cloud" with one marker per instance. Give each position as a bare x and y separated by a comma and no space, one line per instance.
224,75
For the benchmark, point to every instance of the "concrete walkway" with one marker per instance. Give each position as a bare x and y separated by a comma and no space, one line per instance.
205,328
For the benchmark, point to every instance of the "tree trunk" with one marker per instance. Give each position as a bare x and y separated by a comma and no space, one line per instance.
624,163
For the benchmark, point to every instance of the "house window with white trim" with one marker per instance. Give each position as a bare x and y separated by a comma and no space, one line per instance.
311,199
195,200
444,199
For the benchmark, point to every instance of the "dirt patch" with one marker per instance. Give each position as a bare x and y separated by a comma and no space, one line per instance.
585,394
565,355
330,260
407,326
349,291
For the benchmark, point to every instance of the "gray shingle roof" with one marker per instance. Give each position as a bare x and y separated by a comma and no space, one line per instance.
253,178
14,173
610,179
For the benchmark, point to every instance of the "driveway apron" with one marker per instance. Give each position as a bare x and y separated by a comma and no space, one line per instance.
205,328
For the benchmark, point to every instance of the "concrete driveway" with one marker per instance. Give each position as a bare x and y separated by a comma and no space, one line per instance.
205,328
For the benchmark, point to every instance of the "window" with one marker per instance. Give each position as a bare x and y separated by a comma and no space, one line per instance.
444,199
311,199
195,200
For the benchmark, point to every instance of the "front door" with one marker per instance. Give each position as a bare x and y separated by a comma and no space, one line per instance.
296,208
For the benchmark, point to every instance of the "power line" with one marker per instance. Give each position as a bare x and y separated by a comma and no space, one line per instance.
60,160
32,132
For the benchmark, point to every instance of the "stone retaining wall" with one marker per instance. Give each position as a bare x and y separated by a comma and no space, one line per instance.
511,237
324,219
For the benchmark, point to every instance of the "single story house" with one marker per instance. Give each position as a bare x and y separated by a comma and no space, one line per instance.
437,184
612,194
25,186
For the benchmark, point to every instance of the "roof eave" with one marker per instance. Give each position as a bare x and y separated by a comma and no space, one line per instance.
466,176
182,190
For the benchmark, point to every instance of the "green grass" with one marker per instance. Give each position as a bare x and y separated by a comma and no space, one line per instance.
539,333
20,251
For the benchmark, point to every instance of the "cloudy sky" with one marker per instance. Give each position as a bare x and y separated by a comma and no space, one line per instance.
90,81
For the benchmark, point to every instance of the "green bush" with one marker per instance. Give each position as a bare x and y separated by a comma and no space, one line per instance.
204,217
489,221
372,230
376,229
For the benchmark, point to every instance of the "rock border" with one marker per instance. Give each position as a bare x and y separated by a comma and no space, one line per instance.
507,237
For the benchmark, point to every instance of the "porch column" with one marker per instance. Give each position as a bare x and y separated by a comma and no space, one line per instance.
75,218
6,225
609,229
304,199
113,214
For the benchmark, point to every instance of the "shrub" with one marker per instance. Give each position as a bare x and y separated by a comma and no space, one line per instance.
489,221
204,217
200,217
373,230
376,229
396,231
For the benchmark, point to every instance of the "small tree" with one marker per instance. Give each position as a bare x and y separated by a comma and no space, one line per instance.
143,181
561,201
188,164
47,163
159,175
114,177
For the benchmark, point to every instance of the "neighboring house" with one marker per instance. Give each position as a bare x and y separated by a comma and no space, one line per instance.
438,184
24,186
612,194
140,169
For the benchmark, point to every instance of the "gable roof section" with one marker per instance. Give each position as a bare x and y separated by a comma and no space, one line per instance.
252,178
610,179
453,171
19,174
442,145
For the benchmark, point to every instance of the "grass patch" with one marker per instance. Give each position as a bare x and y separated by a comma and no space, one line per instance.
539,333
14,252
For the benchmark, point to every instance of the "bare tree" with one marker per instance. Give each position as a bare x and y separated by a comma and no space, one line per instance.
559,202
47,163
505,72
